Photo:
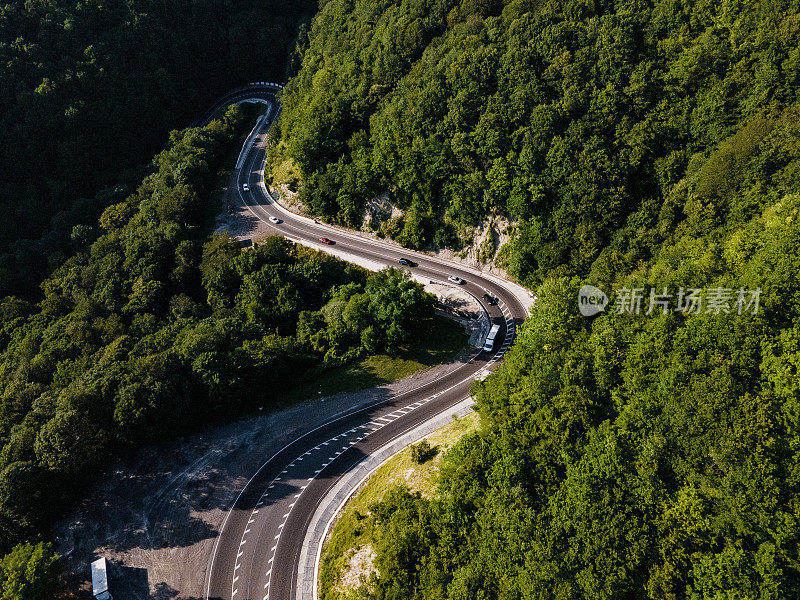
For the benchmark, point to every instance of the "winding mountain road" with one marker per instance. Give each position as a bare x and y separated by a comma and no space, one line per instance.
257,552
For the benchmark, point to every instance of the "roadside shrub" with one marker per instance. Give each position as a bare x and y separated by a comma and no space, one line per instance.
422,452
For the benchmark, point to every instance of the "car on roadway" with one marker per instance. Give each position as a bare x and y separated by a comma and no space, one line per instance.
327,241
490,300
245,187
407,263
275,220
456,280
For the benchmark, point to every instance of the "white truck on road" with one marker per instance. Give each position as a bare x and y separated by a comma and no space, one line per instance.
100,580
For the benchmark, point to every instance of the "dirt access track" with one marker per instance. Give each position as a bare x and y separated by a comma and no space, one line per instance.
155,516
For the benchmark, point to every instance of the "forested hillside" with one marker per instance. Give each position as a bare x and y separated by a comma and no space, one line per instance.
574,118
91,89
153,328
638,145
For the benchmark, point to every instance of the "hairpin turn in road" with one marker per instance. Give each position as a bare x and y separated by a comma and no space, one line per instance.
257,552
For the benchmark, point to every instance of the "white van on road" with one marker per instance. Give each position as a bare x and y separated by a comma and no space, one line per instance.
488,346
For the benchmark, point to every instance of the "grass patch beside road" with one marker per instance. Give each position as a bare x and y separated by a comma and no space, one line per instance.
284,170
443,339
346,556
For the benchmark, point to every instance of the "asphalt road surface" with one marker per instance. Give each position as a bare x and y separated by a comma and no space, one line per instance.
258,548
248,92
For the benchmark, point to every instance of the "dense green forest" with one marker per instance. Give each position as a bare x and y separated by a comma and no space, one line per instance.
153,327
574,118
637,145
90,90
634,144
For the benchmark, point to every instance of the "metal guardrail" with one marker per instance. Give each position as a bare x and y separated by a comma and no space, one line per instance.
228,98
265,83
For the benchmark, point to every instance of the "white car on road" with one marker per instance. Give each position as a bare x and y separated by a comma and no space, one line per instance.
245,187
456,280
275,220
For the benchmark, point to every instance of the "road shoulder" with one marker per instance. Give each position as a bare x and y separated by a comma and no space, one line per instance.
325,515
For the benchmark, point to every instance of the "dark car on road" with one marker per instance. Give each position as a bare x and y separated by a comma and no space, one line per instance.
407,263
325,240
490,300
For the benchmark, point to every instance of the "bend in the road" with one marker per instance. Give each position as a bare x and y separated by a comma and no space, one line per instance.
258,548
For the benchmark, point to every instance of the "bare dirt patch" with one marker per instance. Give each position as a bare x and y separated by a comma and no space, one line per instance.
358,569
236,219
